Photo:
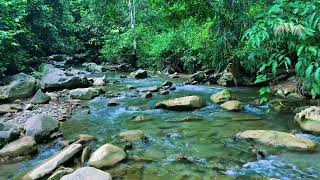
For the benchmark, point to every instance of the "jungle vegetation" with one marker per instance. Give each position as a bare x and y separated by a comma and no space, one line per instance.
267,37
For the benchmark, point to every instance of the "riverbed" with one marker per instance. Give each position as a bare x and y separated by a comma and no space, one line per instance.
205,148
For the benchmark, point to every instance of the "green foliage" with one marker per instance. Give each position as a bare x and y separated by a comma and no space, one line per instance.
287,36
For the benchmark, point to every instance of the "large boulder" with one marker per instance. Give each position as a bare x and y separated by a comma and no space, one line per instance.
41,127
92,67
85,93
40,98
106,156
278,139
132,135
18,86
233,105
57,79
8,133
88,173
139,74
187,103
23,146
53,163
221,97
309,119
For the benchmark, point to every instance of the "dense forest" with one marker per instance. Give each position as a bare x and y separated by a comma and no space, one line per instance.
266,37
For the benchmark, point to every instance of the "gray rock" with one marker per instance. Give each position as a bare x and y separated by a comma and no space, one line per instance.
132,135
232,105
18,86
23,146
41,127
88,173
309,119
106,156
40,98
9,108
92,67
57,79
52,163
221,97
85,93
85,154
139,74
8,133
278,139
60,172
187,103
99,81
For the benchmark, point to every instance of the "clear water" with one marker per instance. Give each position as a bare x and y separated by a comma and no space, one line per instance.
209,146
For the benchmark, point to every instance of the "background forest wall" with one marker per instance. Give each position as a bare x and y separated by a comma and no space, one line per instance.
266,36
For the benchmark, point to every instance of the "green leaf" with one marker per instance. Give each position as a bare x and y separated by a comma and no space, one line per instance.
317,75
298,67
274,68
300,50
309,71
313,50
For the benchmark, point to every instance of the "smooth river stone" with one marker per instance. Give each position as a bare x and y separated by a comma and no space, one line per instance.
53,163
279,139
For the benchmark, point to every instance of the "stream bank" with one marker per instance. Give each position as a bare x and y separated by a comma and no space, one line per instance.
201,143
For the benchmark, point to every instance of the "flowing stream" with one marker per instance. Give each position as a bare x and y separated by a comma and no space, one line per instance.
206,149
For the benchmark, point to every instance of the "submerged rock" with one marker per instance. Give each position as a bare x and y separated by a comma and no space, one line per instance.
106,156
18,86
279,139
41,127
85,93
85,138
87,173
8,133
57,79
187,103
309,119
186,119
139,74
142,118
40,98
232,105
23,146
113,103
132,135
221,97
52,163
60,172
149,89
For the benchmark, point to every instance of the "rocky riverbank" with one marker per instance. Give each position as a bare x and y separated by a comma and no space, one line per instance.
161,121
